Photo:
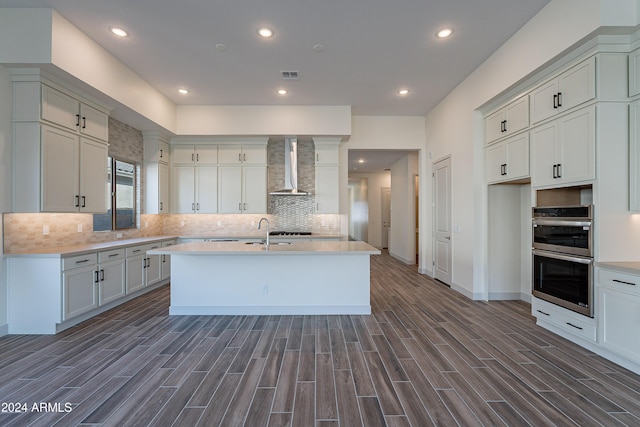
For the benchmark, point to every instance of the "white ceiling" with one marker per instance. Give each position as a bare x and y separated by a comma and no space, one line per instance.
375,161
372,48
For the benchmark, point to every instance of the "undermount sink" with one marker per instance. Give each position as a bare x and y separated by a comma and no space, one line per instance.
270,243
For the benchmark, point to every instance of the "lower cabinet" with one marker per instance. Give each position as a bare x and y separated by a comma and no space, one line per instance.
111,276
165,262
508,160
568,321
80,286
136,261
619,313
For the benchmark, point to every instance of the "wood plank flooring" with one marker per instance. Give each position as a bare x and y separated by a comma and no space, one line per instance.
426,356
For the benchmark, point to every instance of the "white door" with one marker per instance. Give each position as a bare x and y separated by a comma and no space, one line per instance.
60,171
230,189
442,220
206,189
93,176
254,189
182,189
386,215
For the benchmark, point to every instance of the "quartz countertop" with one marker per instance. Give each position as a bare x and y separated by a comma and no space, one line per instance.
314,247
65,251
632,267
261,236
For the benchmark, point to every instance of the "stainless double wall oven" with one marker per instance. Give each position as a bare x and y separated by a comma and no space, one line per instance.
563,256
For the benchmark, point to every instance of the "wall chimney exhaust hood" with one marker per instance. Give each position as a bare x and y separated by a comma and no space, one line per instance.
290,170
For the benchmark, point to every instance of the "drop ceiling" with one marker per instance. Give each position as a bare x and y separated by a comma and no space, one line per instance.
346,52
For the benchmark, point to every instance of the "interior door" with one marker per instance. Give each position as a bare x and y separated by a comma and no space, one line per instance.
442,220
386,215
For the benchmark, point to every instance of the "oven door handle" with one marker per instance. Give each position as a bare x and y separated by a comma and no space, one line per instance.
563,257
561,223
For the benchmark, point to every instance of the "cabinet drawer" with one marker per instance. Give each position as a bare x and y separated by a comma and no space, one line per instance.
111,255
136,250
574,323
620,281
79,261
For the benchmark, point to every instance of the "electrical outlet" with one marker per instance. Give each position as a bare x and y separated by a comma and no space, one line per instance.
79,228
45,230
219,223
118,235
181,223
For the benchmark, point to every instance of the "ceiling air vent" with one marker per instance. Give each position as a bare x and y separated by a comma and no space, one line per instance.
289,75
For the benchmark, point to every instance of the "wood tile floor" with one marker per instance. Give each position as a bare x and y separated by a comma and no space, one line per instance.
426,356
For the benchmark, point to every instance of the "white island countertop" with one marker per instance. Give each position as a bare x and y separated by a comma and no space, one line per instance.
296,248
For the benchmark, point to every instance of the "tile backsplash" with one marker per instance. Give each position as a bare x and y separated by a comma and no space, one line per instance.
24,232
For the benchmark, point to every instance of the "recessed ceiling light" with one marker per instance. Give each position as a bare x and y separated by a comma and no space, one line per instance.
282,92
119,32
183,91
221,47
444,33
265,32
318,47
360,160
403,92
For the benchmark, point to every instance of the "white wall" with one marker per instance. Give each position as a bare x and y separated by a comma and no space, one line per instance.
5,181
454,127
403,232
375,181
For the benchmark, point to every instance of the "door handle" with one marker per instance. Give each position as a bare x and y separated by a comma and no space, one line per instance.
447,237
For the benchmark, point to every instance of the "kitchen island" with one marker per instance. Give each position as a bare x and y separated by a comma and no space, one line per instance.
311,277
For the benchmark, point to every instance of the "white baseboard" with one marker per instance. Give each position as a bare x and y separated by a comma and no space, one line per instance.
504,296
403,260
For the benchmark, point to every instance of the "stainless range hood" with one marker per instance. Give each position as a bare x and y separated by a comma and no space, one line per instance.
290,170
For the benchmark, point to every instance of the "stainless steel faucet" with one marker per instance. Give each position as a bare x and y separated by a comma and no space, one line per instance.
266,241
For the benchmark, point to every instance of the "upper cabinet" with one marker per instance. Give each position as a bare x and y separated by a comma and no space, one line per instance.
63,110
573,87
508,120
327,191
60,149
156,173
634,73
236,154
508,160
194,155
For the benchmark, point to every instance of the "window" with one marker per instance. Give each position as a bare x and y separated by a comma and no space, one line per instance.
122,187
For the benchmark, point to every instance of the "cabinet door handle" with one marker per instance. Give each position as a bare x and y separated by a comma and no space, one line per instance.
198,206
161,207
239,157
542,312
161,153
559,170
77,204
82,261
623,282
84,202
555,101
192,157
555,171
193,207
164,258
244,157
112,255
197,157
137,250
84,123
239,206
77,119
244,206
559,99
102,275
96,279
574,326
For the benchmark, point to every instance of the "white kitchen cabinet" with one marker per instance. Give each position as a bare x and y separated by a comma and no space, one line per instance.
74,172
508,160
156,173
64,110
327,189
79,285
194,189
619,313
165,260
571,88
232,154
563,151
326,154
564,320
508,120
60,150
242,189
194,154
111,276
153,267
136,260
